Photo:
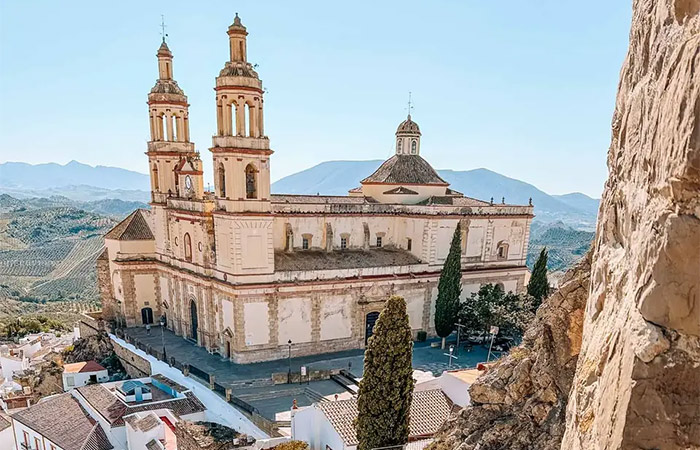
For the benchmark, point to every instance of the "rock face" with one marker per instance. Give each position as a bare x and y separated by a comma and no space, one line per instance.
637,382
636,350
520,403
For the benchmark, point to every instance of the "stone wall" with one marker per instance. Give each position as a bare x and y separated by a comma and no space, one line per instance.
104,285
637,382
136,366
90,325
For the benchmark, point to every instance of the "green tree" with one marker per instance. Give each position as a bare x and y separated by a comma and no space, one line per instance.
538,287
386,389
449,288
510,312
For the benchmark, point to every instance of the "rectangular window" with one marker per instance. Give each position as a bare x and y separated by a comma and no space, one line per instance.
70,381
26,439
305,243
36,443
379,241
343,242
408,244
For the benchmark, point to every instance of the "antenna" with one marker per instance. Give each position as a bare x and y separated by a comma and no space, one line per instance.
410,104
163,27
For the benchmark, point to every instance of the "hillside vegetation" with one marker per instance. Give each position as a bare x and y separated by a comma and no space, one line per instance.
48,253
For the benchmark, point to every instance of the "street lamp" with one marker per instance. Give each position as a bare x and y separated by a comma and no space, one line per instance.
289,359
162,336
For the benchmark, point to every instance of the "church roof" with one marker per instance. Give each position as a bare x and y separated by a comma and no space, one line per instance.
408,126
344,259
238,69
405,169
164,50
133,228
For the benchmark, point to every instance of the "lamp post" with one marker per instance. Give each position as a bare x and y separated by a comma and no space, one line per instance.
459,329
162,336
289,360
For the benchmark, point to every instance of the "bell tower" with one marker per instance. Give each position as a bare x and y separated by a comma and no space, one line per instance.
241,155
170,131
240,148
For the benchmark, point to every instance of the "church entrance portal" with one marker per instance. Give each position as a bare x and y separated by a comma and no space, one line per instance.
147,316
369,324
193,318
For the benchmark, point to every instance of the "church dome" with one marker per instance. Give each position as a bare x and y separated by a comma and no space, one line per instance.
238,69
408,126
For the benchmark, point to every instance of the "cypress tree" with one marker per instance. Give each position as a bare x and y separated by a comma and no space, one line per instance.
449,288
386,389
538,287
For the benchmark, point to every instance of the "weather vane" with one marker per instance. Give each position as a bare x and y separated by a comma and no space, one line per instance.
162,27
410,104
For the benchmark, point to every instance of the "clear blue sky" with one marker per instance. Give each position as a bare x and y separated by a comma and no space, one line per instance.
524,88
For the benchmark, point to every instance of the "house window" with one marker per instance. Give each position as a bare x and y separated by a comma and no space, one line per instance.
343,242
502,250
379,241
26,439
305,243
70,381
188,247
37,444
409,243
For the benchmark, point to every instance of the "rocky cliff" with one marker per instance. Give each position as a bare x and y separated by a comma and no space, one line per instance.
520,403
637,382
636,349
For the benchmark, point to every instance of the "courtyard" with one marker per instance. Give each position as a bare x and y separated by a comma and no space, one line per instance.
252,382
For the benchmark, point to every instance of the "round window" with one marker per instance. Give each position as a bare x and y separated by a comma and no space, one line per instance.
199,246
175,242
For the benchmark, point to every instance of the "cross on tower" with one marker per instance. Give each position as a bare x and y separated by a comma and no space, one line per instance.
410,104
162,27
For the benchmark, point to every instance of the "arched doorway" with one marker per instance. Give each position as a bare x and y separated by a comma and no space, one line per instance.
370,320
146,316
193,319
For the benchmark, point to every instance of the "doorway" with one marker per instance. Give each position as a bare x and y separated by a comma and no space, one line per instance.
193,318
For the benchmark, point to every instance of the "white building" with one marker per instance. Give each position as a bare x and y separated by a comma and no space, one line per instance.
328,425
7,435
83,373
455,384
58,423
148,430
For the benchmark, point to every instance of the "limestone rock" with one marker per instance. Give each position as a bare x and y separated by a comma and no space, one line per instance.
520,402
637,383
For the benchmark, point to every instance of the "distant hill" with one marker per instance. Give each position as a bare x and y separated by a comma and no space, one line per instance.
52,175
337,177
565,245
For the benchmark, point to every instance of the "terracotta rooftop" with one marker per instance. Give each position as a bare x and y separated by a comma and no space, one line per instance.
64,422
320,199
429,410
343,259
114,409
82,367
405,169
133,228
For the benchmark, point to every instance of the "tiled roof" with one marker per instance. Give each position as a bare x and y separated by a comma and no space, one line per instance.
4,423
82,367
429,410
133,228
146,423
113,409
153,445
320,199
343,259
63,421
405,169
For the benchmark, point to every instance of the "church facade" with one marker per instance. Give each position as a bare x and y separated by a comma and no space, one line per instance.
246,273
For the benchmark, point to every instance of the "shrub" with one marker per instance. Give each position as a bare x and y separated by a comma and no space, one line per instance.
422,336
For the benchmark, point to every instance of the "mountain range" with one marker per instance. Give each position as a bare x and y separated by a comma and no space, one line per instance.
337,177
81,182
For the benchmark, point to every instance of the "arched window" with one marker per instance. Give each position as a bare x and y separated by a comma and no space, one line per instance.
156,185
251,182
414,146
188,247
222,181
502,250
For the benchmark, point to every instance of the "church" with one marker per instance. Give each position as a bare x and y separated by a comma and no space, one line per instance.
246,273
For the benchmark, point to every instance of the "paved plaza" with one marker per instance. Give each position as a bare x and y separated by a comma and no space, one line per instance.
271,400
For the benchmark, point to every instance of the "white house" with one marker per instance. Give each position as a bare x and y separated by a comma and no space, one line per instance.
455,384
328,425
57,423
7,436
83,373
150,430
